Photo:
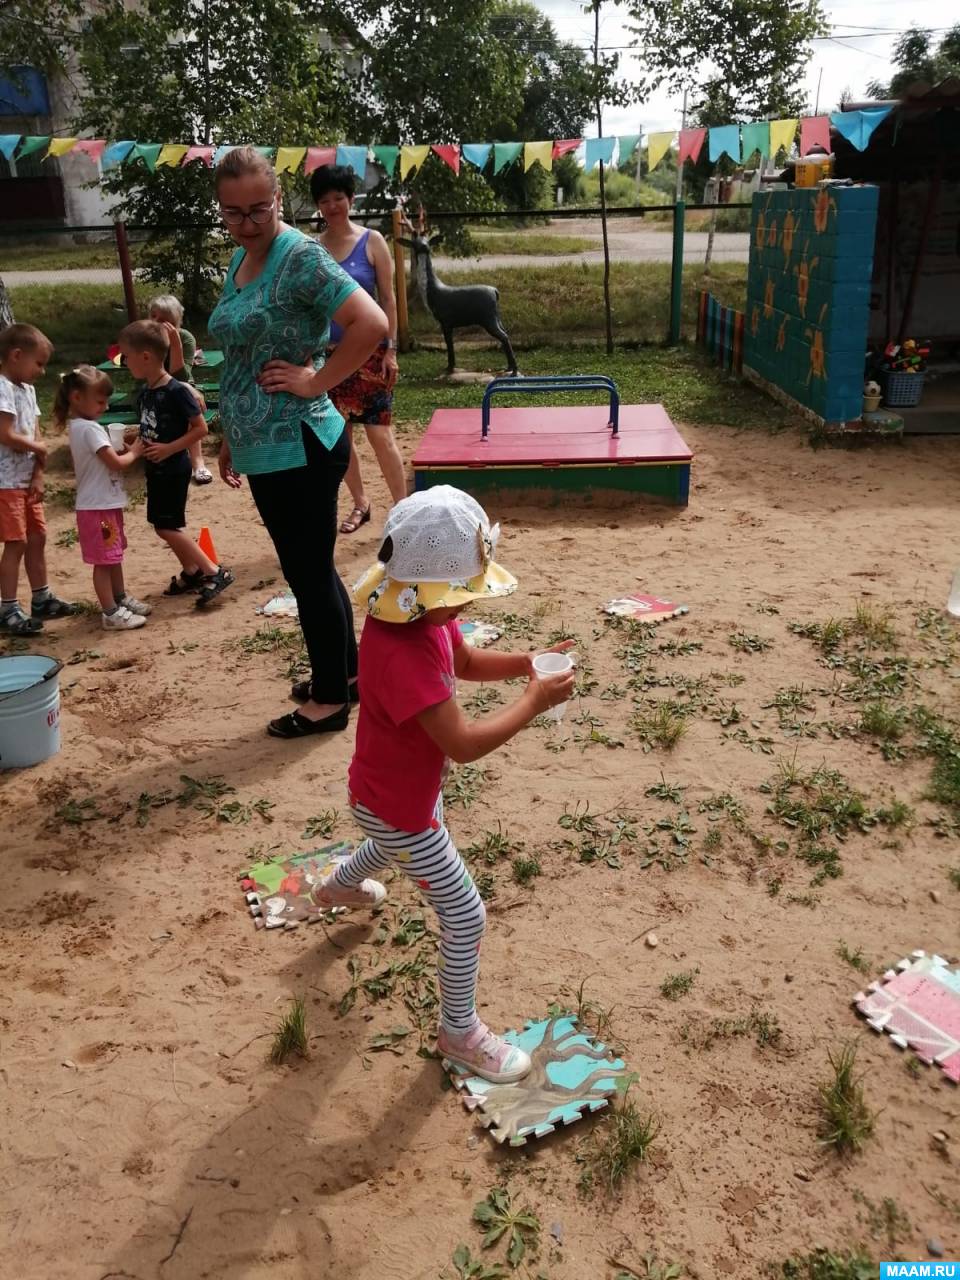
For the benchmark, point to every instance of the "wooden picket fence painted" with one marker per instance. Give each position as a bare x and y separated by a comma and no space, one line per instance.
720,330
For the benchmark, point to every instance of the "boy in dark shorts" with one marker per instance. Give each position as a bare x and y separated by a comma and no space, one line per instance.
170,421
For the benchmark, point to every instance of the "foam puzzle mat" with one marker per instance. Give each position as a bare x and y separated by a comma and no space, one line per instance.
277,892
572,1075
918,1005
642,608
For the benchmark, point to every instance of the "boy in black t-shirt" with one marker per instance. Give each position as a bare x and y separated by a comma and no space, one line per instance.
170,421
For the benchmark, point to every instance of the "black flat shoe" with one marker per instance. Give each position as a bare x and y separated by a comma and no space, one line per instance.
294,725
300,692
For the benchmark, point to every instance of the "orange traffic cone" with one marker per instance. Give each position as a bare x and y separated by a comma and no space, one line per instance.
205,543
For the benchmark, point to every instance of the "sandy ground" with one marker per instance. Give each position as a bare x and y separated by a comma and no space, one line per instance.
143,1133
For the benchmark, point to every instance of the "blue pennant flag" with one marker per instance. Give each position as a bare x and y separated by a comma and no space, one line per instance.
354,158
8,144
115,155
858,126
725,138
597,149
478,153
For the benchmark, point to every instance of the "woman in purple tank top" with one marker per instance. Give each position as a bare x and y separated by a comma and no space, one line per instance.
367,396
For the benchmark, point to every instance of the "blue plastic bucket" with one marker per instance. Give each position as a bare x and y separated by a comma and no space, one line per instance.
29,709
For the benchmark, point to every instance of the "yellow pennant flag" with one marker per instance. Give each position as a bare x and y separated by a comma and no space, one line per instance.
60,146
289,159
412,158
782,134
537,153
658,144
171,153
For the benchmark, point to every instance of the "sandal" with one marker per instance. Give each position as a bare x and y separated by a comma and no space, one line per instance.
294,725
300,692
52,608
186,583
16,623
355,519
214,586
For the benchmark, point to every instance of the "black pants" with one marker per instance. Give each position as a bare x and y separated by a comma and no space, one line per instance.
299,509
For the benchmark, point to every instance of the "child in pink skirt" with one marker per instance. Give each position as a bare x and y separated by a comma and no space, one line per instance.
101,498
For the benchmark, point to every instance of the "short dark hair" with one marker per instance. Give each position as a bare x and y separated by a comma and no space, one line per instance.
146,335
23,337
332,177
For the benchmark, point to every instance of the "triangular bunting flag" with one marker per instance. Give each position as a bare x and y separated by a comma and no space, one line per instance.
782,134
354,158
597,149
266,151
476,153
386,157
725,138
658,144
93,148
756,138
288,159
222,150
537,153
203,153
628,145
171,153
60,146
563,146
317,157
505,153
689,146
115,154
148,152
858,126
814,132
411,158
8,144
449,153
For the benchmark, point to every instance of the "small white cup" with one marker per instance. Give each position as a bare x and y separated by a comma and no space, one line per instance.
552,664
115,431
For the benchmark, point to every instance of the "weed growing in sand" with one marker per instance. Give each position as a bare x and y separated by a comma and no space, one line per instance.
659,725
678,984
747,642
559,634
846,1120
73,813
953,875
652,1269
148,801
211,787
874,624
486,883
763,1027
484,698
825,858
887,725
236,812
622,1140
137,497
856,959
816,804
464,785
515,626
885,1221
896,814
824,1264
291,1035
713,840
520,1228
68,538
679,648
320,825
83,609
580,819
492,847
525,870
63,496
286,643
470,1268
724,805
179,650
664,790
827,635
83,655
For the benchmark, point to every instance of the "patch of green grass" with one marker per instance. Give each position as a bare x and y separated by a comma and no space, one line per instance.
763,1027
875,624
529,242
824,1264
713,840
678,984
45,255
621,1141
291,1035
525,870
68,538
856,959
846,1120
825,858
660,725
884,722
896,814
520,1228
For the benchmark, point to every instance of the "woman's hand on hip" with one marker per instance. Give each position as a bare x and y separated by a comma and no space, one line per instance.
227,473
296,379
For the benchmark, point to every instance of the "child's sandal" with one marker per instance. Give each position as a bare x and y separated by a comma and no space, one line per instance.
18,624
185,584
214,585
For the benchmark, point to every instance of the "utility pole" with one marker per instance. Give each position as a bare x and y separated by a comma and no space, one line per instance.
683,125
603,190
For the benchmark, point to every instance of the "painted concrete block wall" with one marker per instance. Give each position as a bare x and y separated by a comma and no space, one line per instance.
808,295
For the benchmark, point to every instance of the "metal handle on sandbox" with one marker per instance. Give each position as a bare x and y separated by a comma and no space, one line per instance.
561,382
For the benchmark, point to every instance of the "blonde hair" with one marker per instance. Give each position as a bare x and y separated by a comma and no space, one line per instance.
146,335
23,337
170,308
85,377
242,161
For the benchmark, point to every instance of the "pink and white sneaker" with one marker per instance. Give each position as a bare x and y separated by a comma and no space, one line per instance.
368,893
485,1054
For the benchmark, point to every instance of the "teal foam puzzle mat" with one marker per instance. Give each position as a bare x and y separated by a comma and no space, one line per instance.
572,1075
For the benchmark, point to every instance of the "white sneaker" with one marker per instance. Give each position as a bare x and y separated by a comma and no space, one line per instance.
202,475
122,620
135,606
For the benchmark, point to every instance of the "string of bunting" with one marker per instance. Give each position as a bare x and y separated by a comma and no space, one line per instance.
738,141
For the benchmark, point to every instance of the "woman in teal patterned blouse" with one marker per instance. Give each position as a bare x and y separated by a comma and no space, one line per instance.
279,427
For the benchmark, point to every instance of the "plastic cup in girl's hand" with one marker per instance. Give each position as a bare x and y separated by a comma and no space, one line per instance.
553,664
116,430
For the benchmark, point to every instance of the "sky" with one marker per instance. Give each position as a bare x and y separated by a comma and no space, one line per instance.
858,50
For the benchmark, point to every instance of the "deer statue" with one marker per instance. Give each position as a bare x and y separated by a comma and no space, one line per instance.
455,307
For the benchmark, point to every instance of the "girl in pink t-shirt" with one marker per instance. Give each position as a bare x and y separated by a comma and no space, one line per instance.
436,557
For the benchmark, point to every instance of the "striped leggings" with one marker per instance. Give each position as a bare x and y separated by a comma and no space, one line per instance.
431,861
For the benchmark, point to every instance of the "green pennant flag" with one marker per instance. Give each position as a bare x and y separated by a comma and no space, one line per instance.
756,137
386,157
628,145
148,152
505,153
266,151
32,144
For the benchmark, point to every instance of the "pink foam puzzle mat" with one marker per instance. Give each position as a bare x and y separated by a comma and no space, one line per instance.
643,608
918,1005
277,892
572,1075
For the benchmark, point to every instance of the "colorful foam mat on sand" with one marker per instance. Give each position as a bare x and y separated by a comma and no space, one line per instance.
277,892
918,1005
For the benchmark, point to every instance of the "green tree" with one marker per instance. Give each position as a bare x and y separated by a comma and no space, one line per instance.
917,57
203,71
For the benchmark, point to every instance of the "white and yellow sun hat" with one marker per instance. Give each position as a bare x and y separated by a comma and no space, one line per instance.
437,553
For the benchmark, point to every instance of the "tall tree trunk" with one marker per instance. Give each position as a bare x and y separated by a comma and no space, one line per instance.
6,310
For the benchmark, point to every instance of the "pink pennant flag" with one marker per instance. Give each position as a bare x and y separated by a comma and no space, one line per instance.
199,153
317,156
563,146
92,147
814,132
449,153
691,144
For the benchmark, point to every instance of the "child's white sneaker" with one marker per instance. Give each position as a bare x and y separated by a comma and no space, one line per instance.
485,1054
122,620
136,606
368,893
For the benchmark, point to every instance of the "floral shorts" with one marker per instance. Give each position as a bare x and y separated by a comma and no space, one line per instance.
102,539
364,397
